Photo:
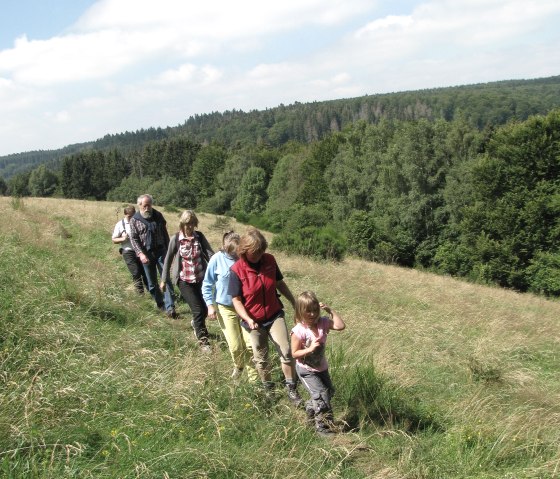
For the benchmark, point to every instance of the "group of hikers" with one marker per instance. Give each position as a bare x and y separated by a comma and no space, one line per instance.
238,286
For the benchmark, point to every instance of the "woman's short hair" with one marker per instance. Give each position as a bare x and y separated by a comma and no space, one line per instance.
252,242
230,242
129,210
188,217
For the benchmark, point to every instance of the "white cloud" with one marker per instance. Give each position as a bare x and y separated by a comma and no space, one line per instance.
60,117
75,57
130,64
117,34
188,73
442,43
219,18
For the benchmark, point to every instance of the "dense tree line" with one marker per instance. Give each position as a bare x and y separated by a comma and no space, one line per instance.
444,194
482,106
17,163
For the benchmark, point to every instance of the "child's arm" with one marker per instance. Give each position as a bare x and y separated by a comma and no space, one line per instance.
299,352
336,322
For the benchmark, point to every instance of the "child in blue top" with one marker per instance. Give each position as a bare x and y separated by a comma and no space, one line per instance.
220,306
309,337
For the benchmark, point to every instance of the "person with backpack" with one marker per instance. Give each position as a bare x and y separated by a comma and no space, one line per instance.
185,264
149,239
121,236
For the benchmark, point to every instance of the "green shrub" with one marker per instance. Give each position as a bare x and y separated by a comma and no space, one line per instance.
307,216
362,235
172,191
453,259
543,274
166,191
324,243
426,251
130,189
385,252
295,217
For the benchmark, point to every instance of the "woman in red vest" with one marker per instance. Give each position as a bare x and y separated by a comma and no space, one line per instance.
254,281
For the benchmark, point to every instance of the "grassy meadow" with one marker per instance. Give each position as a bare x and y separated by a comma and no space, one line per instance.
436,378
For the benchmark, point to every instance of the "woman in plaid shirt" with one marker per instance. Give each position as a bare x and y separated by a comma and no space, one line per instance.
186,260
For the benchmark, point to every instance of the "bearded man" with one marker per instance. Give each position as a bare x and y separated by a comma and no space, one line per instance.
149,239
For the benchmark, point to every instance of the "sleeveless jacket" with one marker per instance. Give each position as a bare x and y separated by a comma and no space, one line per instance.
259,287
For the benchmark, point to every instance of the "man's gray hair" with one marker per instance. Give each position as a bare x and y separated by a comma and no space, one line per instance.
141,197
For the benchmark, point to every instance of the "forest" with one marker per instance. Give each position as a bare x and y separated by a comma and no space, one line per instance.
461,181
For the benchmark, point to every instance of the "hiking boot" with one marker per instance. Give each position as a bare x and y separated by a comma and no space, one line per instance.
309,413
268,390
293,395
324,423
172,314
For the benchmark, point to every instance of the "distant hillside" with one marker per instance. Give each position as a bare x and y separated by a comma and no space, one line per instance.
483,105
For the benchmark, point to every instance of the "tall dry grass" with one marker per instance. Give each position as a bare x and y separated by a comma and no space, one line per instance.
438,378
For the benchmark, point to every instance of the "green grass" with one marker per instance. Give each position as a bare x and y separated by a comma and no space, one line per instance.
434,378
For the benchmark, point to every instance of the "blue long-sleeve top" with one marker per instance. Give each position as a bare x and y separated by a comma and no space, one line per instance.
216,279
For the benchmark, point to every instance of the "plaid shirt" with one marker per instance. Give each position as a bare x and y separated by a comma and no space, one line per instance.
192,267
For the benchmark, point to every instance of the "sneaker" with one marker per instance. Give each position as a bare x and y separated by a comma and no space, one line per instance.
172,314
293,395
205,348
236,374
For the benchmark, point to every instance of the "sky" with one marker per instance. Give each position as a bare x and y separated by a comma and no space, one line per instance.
73,71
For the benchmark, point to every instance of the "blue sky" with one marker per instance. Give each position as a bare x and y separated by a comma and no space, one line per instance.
76,70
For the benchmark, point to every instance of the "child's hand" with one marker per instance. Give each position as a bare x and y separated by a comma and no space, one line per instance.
314,345
325,307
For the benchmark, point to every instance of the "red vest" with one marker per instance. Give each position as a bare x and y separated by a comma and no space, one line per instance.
259,287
